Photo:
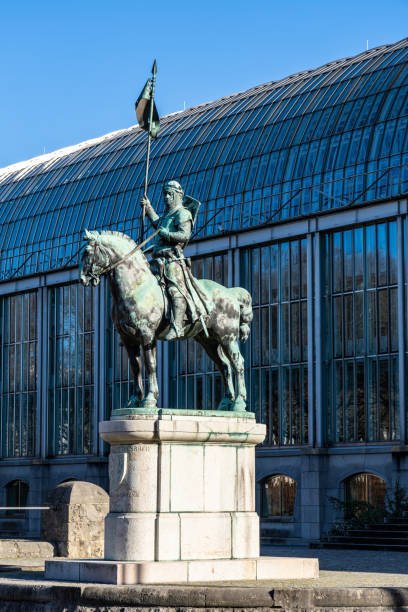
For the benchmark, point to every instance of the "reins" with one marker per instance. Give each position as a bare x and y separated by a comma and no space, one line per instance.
132,252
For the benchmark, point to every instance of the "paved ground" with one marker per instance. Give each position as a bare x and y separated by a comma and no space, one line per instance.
338,568
350,567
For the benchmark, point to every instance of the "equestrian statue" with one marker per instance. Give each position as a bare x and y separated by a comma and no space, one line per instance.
160,299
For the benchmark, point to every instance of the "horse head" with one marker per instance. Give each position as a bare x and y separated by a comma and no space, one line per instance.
94,260
103,250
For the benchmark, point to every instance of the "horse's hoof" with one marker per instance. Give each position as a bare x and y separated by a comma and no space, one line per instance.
149,404
225,404
134,402
238,405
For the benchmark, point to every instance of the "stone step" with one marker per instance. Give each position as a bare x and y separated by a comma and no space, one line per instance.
12,526
370,540
16,548
273,540
389,526
375,533
7,523
347,546
269,533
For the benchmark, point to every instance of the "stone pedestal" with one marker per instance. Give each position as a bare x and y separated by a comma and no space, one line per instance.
182,504
182,488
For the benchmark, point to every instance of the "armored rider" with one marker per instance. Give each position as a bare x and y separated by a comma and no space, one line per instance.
168,263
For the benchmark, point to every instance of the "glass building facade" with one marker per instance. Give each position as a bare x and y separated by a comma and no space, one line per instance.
19,346
303,184
318,140
361,311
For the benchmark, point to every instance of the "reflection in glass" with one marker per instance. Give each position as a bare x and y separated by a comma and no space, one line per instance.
371,274
372,424
383,320
362,316
18,374
383,399
372,322
278,496
366,488
359,322
71,357
284,271
285,406
349,412
360,401
279,339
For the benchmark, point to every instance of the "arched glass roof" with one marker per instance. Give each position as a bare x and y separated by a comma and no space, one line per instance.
324,138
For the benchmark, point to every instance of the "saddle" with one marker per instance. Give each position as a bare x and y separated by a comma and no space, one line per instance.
196,317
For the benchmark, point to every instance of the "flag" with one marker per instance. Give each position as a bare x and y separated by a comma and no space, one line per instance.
142,108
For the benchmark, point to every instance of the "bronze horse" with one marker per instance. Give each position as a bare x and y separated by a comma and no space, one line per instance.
139,314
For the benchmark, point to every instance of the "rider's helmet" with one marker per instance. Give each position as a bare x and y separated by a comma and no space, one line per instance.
174,186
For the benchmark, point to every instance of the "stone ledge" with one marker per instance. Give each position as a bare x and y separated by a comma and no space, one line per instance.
18,548
191,429
49,596
163,572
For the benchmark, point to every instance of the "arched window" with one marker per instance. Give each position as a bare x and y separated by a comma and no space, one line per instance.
278,495
16,495
365,487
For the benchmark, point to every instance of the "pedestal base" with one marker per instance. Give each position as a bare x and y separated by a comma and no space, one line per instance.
169,572
182,487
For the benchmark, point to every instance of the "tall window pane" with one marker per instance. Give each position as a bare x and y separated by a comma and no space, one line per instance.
71,370
18,376
277,347
361,334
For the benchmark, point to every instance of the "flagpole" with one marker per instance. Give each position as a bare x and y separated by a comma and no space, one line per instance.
149,140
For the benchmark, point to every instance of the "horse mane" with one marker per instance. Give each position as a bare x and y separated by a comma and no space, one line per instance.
95,235
98,236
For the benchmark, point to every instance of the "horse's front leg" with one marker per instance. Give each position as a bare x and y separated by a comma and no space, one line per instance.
135,362
150,360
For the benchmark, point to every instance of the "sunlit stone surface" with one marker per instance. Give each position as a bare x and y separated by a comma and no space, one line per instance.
182,505
174,483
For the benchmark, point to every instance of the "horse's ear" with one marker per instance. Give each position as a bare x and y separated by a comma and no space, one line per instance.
91,235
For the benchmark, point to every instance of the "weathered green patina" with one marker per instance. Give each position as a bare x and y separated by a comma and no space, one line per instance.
216,317
129,410
169,264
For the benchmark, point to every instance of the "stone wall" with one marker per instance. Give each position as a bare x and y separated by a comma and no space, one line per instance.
34,596
76,522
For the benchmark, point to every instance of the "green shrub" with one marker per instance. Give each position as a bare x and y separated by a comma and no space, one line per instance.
396,502
360,514
357,515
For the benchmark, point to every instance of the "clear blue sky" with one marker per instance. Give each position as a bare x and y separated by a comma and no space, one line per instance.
71,70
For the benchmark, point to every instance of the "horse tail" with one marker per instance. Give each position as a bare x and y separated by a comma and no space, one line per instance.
245,312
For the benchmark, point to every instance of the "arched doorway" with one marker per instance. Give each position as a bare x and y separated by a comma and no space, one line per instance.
278,496
16,496
365,487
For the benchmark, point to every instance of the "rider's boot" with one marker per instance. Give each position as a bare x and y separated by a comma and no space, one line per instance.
179,310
